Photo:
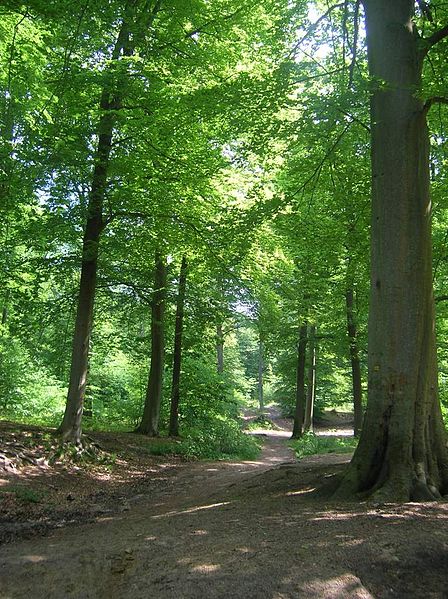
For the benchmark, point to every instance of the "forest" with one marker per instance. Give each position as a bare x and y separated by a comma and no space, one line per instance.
223,298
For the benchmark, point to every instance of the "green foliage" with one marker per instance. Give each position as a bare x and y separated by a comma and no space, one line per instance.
115,393
220,437
208,420
239,143
217,438
28,392
261,422
25,494
310,444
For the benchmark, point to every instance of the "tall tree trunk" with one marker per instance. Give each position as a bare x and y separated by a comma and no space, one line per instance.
260,376
299,412
402,453
7,164
149,424
175,387
110,102
311,387
355,363
219,348
5,309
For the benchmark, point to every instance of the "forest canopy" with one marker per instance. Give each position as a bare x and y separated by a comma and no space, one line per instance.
207,205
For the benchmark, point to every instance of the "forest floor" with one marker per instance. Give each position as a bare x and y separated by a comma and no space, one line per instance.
168,528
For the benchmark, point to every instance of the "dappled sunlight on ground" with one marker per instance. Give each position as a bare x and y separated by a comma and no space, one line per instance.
346,586
191,510
206,568
34,559
236,530
267,432
334,432
300,492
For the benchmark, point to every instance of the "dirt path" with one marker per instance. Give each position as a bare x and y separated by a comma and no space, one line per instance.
239,530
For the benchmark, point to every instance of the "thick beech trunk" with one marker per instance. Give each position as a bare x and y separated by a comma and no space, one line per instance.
311,385
149,424
177,359
402,453
355,363
70,428
299,412
260,376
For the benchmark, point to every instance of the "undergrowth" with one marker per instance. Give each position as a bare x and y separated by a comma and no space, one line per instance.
261,421
25,494
223,440
311,444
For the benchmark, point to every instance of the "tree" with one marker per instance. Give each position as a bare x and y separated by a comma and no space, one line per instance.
111,101
355,363
299,413
311,386
402,453
177,357
149,424
260,389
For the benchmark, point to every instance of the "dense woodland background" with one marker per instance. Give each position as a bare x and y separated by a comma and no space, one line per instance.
240,144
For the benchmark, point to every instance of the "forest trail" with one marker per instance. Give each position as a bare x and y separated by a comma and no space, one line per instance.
239,529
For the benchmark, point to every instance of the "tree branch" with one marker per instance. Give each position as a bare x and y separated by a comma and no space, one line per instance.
434,39
315,25
434,100
355,44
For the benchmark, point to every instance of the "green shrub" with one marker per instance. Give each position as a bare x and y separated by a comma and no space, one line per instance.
218,438
263,422
28,392
311,444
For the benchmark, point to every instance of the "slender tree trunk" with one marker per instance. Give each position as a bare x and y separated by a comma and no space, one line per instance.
299,412
402,453
5,309
260,376
7,182
88,402
111,97
311,388
175,387
219,348
149,424
355,363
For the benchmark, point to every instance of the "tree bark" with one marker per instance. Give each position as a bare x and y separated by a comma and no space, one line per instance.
355,362
402,453
299,412
111,98
311,387
5,310
149,424
219,348
177,359
260,376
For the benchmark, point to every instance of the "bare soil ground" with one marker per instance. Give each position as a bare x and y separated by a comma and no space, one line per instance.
165,528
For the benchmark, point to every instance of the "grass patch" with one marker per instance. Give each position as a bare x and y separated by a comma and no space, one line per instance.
25,494
261,421
311,444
